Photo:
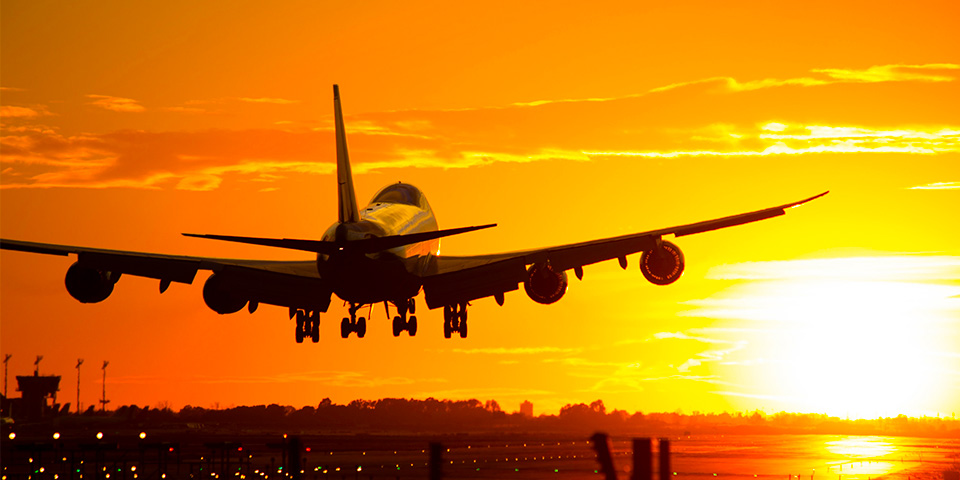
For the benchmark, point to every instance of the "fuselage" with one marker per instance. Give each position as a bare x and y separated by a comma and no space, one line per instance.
389,275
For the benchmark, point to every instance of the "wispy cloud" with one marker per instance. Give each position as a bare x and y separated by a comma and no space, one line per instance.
17,112
275,101
874,74
515,350
938,186
116,104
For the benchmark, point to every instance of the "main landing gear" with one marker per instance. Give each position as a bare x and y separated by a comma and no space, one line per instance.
400,322
353,324
308,325
455,320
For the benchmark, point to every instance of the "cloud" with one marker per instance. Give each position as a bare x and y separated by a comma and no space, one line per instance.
276,101
10,111
701,119
922,268
116,104
515,350
831,76
938,186
11,89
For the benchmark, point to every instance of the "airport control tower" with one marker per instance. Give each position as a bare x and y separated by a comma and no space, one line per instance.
38,396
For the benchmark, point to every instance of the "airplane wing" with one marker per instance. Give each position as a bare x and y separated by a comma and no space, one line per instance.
293,284
456,279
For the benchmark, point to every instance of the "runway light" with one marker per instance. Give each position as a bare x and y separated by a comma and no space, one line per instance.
143,435
12,435
99,435
133,468
56,435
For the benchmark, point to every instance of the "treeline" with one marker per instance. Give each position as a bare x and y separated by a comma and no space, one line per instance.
473,416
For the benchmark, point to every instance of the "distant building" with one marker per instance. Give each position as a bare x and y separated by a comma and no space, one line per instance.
526,409
38,396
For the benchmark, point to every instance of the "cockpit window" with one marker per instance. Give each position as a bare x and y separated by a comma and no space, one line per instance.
399,193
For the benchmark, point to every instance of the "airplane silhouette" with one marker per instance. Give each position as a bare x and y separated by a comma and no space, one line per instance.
387,252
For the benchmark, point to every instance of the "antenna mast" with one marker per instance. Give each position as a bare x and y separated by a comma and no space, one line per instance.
104,401
6,359
79,362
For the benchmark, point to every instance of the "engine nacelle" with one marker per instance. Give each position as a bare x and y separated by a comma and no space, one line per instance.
544,284
89,285
219,298
663,265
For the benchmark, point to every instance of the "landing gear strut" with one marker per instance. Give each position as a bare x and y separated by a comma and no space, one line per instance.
308,325
353,324
400,322
455,320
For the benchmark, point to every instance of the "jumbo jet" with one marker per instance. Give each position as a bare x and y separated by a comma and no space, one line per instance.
386,253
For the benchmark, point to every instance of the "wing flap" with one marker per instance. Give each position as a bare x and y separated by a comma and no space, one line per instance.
170,269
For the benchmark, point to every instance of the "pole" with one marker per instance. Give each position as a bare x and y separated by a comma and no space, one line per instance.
79,362
642,459
6,359
104,401
664,459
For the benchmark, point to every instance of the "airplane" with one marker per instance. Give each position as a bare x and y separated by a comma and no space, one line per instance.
386,252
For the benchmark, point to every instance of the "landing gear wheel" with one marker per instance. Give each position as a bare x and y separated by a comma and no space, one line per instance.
397,326
361,327
463,327
345,328
412,326
315,328
300,323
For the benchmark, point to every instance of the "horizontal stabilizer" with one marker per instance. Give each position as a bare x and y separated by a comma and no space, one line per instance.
366,245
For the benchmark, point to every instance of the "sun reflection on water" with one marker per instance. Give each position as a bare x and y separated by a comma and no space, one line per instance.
861,457
861,447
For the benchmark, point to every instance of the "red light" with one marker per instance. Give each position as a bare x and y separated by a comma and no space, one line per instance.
239,449
170,450
308,449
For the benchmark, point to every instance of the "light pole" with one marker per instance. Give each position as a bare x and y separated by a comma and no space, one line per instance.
36,365
6,359
104,401
79,362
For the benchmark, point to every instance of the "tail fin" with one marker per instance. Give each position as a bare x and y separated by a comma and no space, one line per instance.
347,198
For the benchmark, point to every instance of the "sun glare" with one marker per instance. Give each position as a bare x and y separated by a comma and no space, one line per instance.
845,340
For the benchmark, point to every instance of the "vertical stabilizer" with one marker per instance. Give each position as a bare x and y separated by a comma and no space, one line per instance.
347,198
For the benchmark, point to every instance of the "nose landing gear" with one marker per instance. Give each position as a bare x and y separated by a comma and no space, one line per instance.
455,320
400,322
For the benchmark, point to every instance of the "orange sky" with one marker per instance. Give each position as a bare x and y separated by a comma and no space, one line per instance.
126,124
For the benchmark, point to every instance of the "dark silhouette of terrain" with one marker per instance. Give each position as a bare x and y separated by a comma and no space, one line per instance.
399,415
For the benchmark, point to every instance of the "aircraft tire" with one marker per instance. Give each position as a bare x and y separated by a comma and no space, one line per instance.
447,330
361,327
299,334
463,327
315,329
345,328
412,326
397,326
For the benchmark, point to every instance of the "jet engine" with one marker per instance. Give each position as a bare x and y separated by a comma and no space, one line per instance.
89,285
544,284
662,265
219,298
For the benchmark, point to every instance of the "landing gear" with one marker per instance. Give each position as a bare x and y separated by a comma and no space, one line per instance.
353,324
455,320
308,325
400,322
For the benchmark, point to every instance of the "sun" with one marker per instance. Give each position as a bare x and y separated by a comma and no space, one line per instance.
847,337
